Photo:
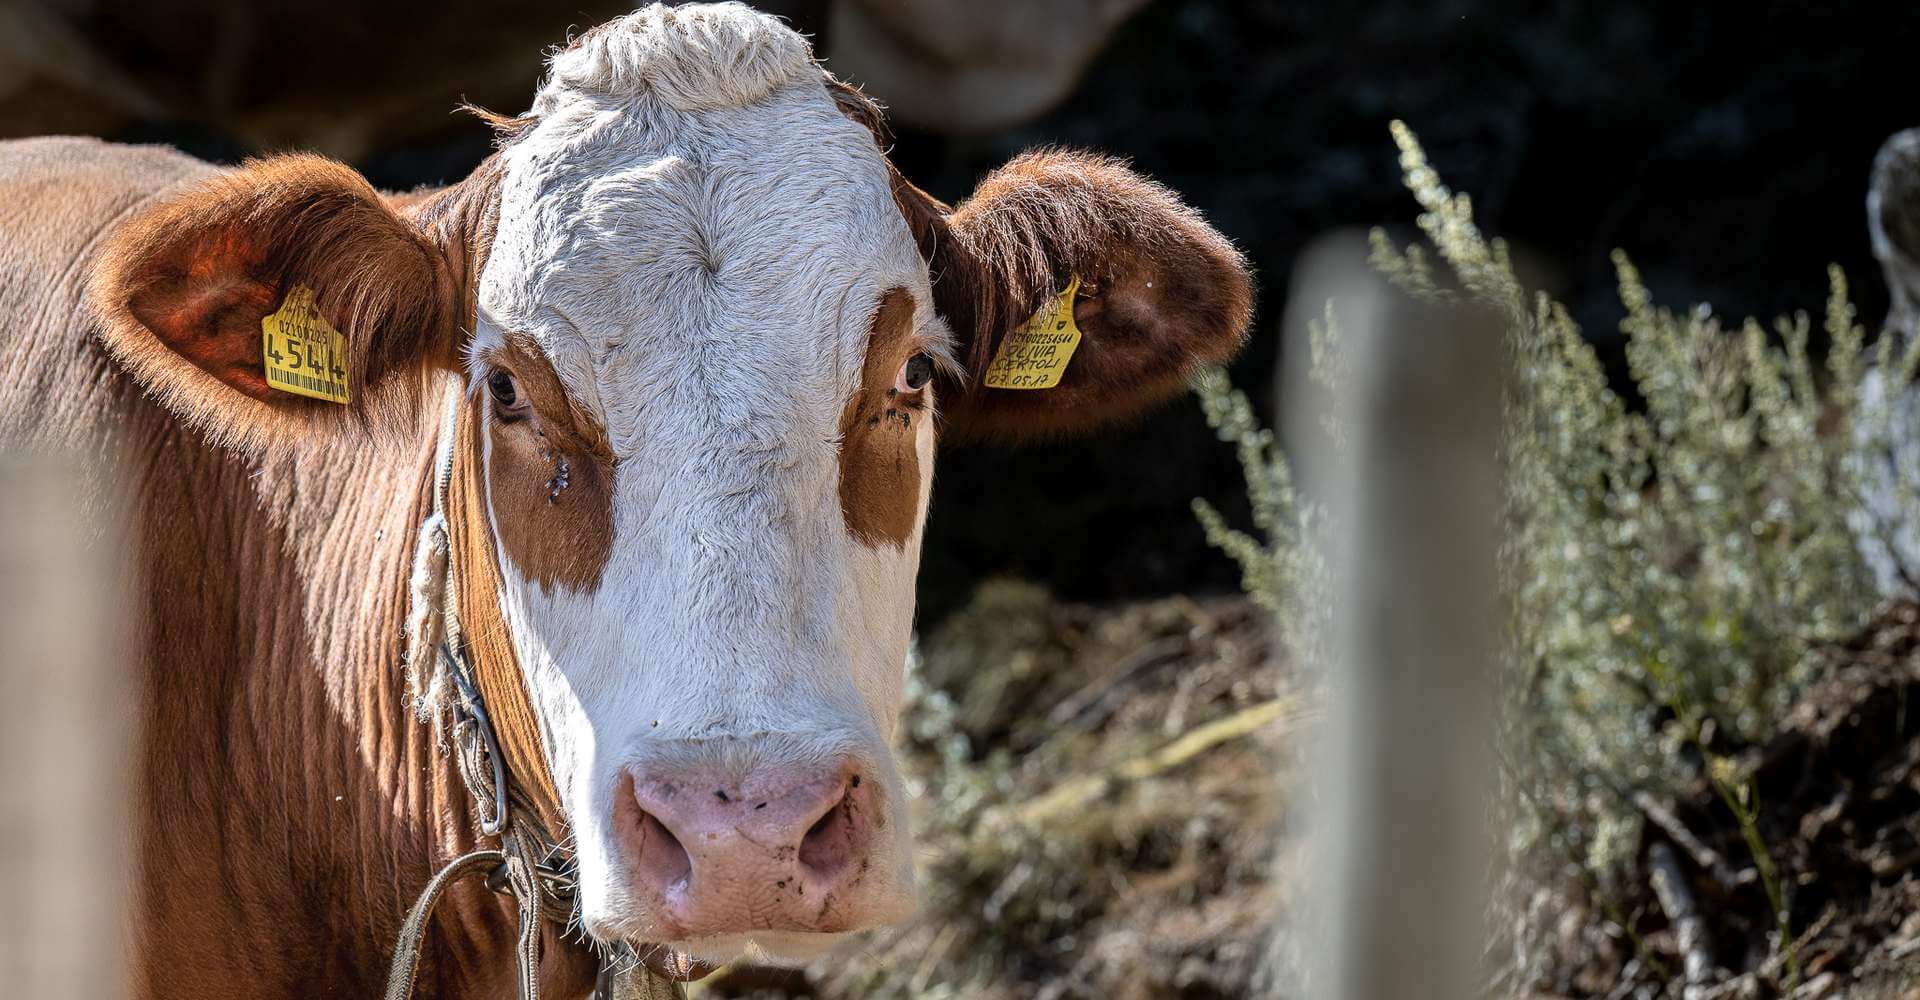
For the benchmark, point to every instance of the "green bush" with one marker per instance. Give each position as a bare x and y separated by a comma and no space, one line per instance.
1672,565
1285,570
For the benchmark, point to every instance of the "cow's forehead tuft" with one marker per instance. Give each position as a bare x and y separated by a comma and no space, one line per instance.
697,58
729,257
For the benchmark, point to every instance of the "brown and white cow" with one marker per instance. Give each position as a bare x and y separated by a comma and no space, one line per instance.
702,340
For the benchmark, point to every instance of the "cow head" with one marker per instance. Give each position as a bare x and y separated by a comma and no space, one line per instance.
707,341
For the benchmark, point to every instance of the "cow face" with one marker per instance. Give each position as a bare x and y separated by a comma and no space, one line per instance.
707,339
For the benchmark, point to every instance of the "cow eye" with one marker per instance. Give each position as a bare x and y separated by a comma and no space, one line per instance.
914,374
506,393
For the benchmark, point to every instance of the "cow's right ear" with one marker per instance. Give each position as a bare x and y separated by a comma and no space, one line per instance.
1136,290
181,289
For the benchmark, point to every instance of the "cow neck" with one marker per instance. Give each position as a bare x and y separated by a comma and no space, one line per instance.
290,802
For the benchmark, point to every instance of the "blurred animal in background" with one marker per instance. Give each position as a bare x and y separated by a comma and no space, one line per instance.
348,78
613,458
964,67
1887,520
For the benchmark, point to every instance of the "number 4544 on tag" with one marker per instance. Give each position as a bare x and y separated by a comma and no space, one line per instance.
304,354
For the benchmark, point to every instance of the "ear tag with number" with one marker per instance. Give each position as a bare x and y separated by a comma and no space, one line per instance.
305,355
1035,355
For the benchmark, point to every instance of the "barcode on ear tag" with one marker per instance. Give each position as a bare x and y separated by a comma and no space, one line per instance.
305,355
1035,355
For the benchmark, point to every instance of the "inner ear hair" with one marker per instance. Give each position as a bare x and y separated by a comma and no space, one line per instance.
180,288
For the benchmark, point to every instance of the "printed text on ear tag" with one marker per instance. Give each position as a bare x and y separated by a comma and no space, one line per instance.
1035,355
305,355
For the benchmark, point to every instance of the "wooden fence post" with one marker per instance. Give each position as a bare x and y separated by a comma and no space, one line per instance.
66,704
1413,500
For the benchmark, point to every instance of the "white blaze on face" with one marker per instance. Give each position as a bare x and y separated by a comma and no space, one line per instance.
697,241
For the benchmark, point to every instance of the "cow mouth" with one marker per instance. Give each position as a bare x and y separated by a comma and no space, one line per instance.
778,948
691,959
673,964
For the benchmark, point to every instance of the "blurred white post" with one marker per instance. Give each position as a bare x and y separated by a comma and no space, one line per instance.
65,707
1405,764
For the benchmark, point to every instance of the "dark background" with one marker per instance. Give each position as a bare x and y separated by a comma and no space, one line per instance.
1725,147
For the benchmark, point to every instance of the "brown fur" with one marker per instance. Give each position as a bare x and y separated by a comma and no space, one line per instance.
562,540
459,220
496,667
290,805
879,468
1161,292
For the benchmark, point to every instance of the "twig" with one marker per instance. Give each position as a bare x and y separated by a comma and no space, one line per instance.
1625,987
1077,792
1690,931
1742,985
1706,857
931,962
1771,967
1141,662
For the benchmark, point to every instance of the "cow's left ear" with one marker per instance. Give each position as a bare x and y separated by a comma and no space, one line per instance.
1156,292
363,297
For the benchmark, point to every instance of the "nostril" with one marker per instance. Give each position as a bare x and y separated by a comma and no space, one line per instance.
661,854
832,842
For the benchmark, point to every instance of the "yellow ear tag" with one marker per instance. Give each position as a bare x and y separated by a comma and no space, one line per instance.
305,355
1035,355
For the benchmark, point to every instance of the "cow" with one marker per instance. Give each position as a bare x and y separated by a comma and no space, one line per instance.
1886,438
668,372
